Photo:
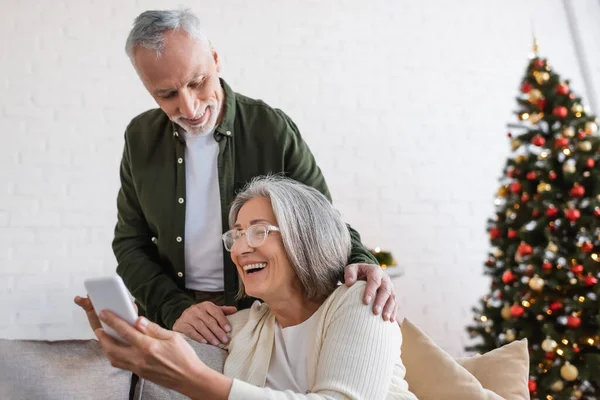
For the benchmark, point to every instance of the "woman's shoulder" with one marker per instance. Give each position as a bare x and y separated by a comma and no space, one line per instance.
252,315
345,294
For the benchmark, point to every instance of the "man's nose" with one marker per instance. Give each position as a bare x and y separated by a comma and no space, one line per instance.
188,104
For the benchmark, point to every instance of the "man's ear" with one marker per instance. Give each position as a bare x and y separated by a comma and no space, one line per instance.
217,59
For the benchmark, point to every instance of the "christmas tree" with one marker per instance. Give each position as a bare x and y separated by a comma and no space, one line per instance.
544,261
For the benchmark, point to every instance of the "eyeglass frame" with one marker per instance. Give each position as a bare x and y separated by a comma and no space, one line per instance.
270,228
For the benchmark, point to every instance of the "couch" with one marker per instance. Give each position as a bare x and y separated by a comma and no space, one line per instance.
77,369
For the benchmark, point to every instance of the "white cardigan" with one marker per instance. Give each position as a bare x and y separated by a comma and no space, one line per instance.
353,354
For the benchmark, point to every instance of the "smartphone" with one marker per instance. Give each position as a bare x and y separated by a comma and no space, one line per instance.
110,293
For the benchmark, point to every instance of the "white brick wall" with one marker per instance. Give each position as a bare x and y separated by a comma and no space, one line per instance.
403,103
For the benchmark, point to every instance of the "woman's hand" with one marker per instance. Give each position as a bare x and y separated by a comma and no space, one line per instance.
205,323
153,353
86,304
90,312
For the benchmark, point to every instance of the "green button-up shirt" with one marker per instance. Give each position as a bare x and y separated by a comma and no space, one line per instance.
254,139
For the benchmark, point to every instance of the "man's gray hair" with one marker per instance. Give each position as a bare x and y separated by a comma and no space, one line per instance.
149,28
314,235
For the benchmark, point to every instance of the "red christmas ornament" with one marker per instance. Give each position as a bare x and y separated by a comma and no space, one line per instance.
509,134
596,212
524,197
490,263
551,212
512,234
526,87
524,249
547,266
561,142
571,96
590,163
577,191
495,233
538,140
577,269
576,349
516,310
532,386
508,277
550,355
535,213
572,214
539,63
590,280
552,175
555,306
581,135
532,175
573,322
562,89
560,111
515,187
541,104
587,247
510,173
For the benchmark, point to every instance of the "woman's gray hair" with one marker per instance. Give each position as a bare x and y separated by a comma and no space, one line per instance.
149,28
314,235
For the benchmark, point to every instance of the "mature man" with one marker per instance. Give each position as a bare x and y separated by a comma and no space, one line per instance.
182,164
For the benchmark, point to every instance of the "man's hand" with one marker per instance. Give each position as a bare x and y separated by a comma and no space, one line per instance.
377,281
205,323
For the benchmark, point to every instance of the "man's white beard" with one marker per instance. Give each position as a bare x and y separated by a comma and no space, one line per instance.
206,128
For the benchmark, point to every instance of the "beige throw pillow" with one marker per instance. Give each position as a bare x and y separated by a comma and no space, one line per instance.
504,370
433,374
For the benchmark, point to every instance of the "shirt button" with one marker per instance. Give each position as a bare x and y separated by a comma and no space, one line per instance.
228,133
180,274
181,200
153,239
180,160
178,239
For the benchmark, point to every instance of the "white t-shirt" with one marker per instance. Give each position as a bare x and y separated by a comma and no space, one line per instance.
288,367
203,249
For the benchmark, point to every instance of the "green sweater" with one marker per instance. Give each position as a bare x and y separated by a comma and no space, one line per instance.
254,139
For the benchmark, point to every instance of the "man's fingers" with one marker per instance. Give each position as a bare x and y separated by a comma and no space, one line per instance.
219,316
189,331
383,294
228,310
389,310
211,333
350,274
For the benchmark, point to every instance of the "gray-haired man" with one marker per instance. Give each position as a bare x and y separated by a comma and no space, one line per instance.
182,164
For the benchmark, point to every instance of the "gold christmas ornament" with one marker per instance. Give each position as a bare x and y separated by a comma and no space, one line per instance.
573,281
498,253
520,159
557,386
569,168
549,345
536,283
577,394
535,95
543,187
568,132
577,108
541,77
551,247
569,372
591,128
585,146
502,191
515,144
536,117
510,335
505,312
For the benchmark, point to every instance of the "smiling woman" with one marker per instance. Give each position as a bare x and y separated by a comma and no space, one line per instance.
308,335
